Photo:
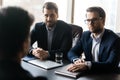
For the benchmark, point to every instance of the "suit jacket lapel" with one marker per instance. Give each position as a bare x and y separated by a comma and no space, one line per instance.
55,33
89,48
44,33
54,37
102,44
101,49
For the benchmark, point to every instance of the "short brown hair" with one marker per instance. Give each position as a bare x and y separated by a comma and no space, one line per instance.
97,9
51,5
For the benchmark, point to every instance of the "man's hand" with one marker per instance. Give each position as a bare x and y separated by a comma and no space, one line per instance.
79,61
40,53
77,66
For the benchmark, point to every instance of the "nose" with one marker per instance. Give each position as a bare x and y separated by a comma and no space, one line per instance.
49,18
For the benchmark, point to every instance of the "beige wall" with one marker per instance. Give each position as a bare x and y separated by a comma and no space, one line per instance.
33,6
117,29
0,3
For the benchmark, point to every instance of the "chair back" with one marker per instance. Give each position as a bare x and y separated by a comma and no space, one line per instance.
76,33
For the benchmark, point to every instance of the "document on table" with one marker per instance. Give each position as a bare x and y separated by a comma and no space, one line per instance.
63,71
47,64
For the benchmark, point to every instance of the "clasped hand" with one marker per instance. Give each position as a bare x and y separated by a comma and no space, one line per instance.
40,53
78,65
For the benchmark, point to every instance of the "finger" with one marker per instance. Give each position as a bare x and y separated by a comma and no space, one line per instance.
71,65
39,50
75,69
34,51
82,60
71,68
36,55
44,56
77,62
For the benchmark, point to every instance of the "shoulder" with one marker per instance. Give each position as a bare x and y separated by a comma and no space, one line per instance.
86,33
38,27
110,34
40,24
86,36
62,24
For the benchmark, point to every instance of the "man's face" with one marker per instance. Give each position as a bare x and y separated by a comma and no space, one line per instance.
50,17
94,22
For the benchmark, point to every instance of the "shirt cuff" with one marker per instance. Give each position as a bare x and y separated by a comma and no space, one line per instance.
48,54
89,64
75,59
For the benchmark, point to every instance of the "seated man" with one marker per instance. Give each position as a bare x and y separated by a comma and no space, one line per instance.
14,43
100,46
51,36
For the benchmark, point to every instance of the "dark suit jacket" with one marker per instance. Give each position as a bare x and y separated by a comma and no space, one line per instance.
109,51
62,38
10,70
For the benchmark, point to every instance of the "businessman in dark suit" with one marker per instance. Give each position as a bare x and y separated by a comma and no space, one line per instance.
100,46
52,35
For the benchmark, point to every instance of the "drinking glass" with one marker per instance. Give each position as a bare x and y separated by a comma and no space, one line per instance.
59,57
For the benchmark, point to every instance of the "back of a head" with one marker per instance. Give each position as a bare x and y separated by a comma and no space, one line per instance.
15,25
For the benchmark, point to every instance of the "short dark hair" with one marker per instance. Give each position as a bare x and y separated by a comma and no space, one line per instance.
97,9
15,25
51,5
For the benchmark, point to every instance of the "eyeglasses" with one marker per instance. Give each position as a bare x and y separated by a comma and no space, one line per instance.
94,20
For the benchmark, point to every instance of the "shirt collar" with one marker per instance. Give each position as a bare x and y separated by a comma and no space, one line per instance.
51,29
98,37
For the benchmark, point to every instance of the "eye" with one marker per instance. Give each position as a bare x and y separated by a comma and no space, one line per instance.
94,19
46,15
88,21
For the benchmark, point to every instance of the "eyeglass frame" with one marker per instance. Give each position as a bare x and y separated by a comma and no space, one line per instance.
94,20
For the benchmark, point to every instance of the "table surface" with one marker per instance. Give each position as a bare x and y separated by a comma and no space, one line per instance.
37,71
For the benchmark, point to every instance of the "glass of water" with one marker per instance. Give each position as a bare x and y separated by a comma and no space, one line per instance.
59,57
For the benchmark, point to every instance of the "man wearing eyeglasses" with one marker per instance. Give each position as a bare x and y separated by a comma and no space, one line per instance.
100,46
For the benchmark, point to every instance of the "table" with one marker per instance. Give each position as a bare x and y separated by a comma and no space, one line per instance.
37,71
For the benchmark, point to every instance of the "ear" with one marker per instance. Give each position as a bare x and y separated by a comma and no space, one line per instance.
103,21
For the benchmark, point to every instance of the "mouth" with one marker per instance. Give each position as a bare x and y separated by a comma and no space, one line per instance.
91,29
49,23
